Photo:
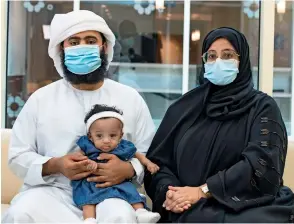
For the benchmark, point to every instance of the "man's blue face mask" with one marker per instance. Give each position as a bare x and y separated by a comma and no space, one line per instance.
221,72
82,59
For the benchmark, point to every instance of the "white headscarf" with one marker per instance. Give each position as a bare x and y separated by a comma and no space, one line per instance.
65,25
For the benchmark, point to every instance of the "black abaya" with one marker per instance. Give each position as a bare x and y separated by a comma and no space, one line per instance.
234,139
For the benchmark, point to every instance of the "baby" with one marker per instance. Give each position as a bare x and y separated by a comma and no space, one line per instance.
104,126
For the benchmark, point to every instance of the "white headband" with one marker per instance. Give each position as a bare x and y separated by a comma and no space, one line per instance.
104,114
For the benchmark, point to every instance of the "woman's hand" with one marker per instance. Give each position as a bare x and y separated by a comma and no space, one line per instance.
173,204
178,198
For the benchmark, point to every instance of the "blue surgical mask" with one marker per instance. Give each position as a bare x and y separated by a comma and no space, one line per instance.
82,59
221,72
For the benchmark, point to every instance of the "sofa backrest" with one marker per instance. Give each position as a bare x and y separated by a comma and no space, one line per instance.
10,184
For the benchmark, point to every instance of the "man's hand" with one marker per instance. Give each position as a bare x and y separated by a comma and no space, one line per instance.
115,171
74,166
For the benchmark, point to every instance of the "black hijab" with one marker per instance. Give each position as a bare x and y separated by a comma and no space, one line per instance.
231,100
219,103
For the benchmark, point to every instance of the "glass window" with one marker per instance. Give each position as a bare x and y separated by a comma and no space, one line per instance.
28,64
208,15
283,60
148,50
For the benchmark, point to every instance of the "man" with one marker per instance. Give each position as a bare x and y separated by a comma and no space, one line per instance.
43,150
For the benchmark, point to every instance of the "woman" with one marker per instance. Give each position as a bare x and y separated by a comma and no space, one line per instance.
221,147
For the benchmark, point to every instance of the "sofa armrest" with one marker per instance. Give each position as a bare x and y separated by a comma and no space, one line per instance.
10,184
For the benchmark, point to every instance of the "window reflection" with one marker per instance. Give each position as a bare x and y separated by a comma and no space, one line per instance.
209,15
28,64
148,50
148,54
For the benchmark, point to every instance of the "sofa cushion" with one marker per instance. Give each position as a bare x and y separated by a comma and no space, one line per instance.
4,207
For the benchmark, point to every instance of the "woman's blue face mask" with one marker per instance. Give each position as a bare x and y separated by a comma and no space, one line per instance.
82,59
221,72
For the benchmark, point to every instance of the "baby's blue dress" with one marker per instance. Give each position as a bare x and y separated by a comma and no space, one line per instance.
85,193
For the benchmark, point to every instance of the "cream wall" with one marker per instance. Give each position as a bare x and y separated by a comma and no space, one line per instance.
266,54
289,168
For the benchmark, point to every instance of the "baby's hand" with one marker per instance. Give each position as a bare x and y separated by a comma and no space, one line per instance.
152,167
92,165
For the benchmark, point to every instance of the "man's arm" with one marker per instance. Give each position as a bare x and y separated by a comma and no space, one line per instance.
23,157
51,167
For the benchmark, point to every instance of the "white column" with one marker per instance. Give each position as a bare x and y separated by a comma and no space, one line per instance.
3,27
76,5
186,46
292,76
266,43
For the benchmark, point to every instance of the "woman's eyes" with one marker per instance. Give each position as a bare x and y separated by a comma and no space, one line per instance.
228,55
212,56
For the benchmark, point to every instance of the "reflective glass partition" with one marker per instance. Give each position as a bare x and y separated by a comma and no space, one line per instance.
148,51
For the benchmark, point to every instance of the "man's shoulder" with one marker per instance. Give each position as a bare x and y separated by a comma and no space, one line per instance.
50,88
122,93
121,88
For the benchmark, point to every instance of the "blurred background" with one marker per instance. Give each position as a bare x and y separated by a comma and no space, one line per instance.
158,47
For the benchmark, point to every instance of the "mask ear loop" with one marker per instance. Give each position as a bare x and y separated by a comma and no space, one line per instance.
104,46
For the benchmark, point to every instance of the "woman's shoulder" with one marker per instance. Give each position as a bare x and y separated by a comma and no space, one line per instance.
265,100
266,104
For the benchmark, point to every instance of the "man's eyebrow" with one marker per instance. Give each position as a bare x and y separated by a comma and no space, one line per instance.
74,38
86,37
90,36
